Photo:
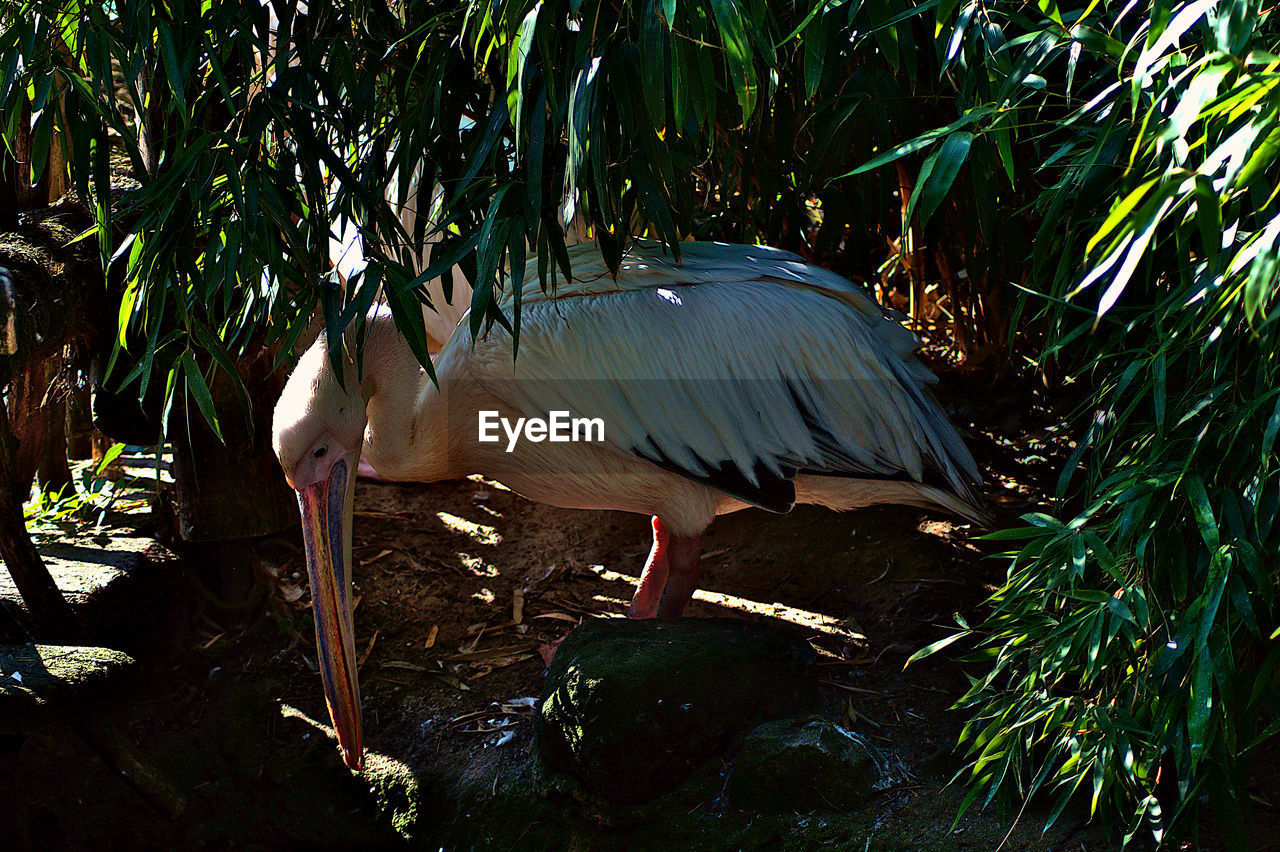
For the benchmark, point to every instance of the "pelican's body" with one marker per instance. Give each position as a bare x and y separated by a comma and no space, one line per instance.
740,376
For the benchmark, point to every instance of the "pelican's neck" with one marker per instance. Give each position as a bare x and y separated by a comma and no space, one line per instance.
406,437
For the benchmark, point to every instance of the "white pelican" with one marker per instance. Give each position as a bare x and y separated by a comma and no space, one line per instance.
742,376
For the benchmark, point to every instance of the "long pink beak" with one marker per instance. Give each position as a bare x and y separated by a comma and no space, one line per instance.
326,532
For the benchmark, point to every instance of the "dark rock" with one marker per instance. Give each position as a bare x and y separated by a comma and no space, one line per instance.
802,765
38,679
104,583
632,707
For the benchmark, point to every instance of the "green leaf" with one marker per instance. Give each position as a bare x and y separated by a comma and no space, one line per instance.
518,69
1208,217
444,257
331,308
1158,389
654,62
198,389
113,452
172,68
1121,213
1121,609
1160,41
815,55
1200,705
1260,160
1039,519
738,54
492,244
1203,511
581,97
938,174
1264,270
407,314
479,155
933,648
516,260
223,358
956,41
1269,434
1133,252
920,142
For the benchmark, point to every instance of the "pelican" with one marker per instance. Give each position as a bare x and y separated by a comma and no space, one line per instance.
740,376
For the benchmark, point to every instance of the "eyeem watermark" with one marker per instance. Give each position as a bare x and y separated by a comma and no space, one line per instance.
558,427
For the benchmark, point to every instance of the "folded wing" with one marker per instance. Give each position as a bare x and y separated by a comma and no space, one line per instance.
739,368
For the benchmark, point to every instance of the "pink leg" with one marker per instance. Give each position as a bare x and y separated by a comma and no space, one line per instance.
653,579
670,577
684,555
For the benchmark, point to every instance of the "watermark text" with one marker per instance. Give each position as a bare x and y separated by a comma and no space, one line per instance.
557,427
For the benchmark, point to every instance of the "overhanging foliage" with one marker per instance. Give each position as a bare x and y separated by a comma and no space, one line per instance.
1132,649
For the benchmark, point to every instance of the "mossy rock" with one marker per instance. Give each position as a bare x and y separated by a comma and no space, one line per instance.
633,707
37,679
107,581
802,765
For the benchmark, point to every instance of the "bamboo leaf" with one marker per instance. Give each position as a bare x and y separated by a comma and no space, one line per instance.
1203,511
172,68
738,53
919,143
200,391
933,648
939,173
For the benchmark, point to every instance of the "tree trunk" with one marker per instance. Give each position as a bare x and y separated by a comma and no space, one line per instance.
227,494
11,630
53,472
54,179
960,309
29,422
15,172
8,192
232,490
39,426
53,618
56,291
22,145
79,427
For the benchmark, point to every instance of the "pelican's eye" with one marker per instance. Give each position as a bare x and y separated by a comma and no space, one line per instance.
319,453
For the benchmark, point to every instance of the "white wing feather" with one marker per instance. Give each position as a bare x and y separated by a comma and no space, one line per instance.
739,367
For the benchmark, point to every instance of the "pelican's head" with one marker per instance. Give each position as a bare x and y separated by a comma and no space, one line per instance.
318,422
317,434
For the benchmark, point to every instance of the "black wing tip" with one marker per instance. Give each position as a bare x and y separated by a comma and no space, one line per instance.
770,492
